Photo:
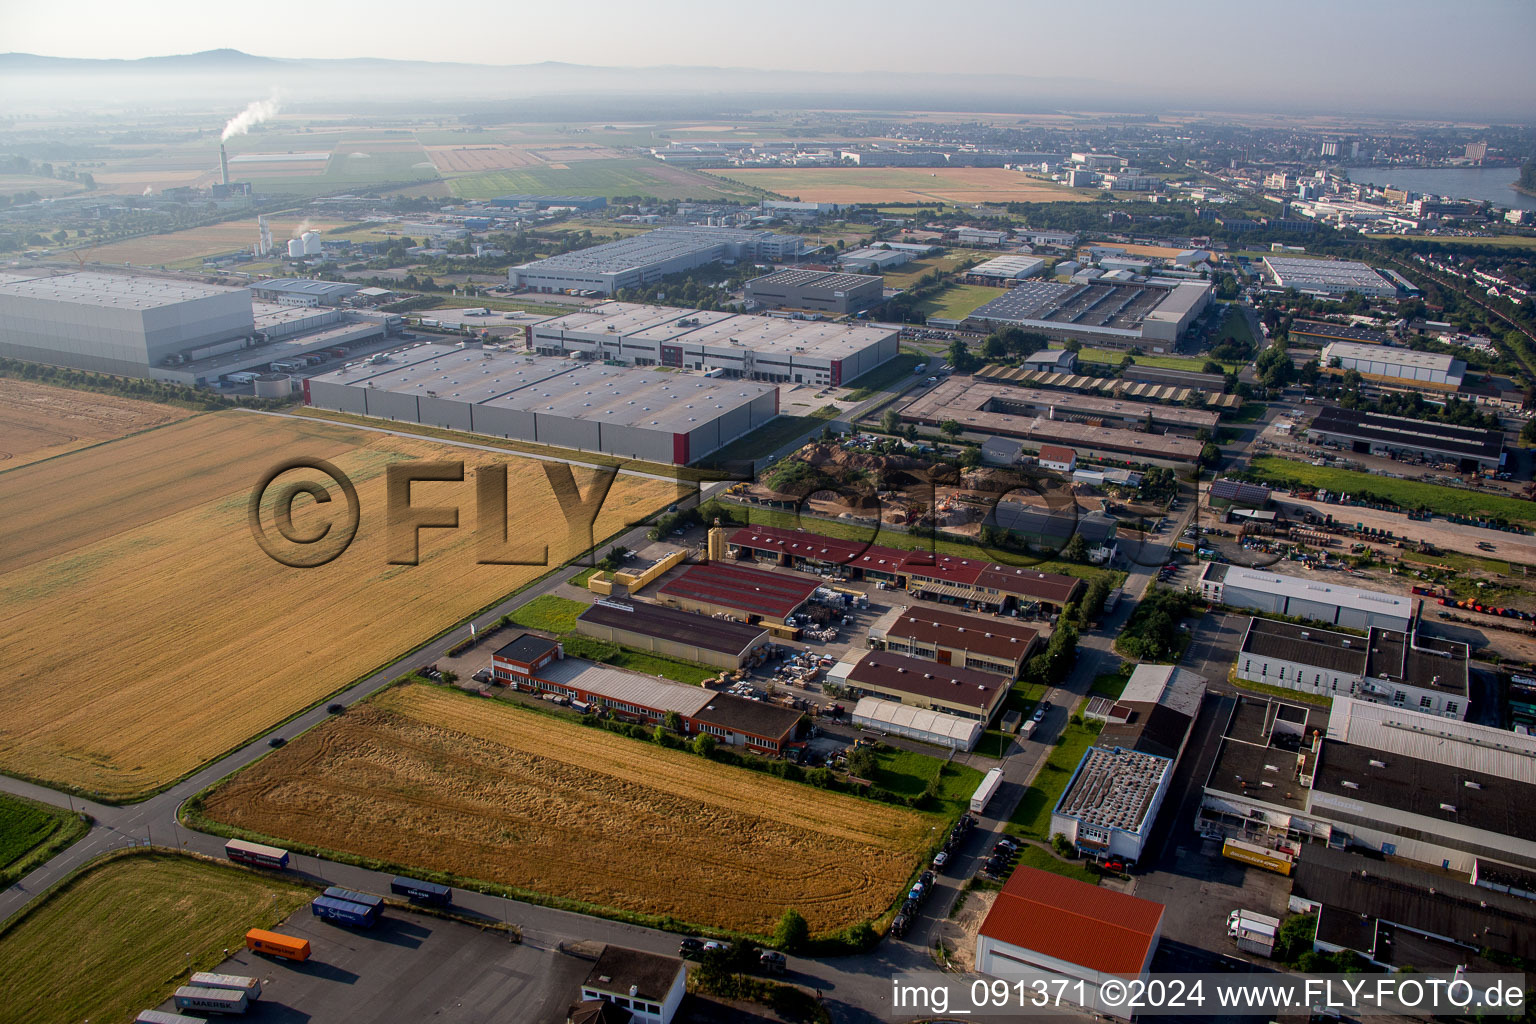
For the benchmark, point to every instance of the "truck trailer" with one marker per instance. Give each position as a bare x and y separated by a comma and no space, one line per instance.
1254,933
429,893
986,791
165,1017
353,915
256,854
238,982
259,940
211,1000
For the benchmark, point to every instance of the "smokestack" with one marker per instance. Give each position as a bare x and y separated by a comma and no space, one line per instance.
224,163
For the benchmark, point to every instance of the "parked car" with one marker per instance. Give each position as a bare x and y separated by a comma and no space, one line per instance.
940,859
1040,710
773,961
1011,845
916,893
927,878
690,948
714,946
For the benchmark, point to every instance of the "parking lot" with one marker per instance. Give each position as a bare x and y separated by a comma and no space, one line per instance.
411,967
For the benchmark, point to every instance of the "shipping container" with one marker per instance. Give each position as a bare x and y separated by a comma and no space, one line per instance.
257,854
1277,861
353,915
207,979
165,1017
421,892
258,940
211,1000
365,899
986,790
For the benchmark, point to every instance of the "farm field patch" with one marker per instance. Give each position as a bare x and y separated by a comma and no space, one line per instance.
147,631
628,177
482,790
31,832
904,185
38,420
122,935
195,243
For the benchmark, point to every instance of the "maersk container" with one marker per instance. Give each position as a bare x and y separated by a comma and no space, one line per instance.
211,1000
239,982
421,892
342,912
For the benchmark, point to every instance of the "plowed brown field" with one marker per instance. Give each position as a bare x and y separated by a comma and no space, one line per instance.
145,630
436,779
38,421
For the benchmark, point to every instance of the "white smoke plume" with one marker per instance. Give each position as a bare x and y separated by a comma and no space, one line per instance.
257,112
304,225
148,190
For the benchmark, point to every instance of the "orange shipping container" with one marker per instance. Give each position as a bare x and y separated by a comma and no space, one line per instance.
273,944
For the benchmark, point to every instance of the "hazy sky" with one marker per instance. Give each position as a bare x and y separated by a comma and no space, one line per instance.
1364,52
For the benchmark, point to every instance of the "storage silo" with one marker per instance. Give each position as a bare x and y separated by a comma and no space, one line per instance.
296,248
312,246
274,385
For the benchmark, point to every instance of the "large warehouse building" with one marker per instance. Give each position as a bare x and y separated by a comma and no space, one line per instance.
1111,803
751,595
1004,271
1109,314
1406,670
646,259
1398,367
624,411
923,684
721,643
120,323
951,638
1328,277
995,409
1239,587
753,347
1468,448
1449,794
819,291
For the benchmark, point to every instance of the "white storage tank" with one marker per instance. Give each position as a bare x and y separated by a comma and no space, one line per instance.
312,246
296,248
274,385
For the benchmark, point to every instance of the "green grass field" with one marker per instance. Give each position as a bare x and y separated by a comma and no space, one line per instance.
1032,818
630,177
1194,364
769,437
958,300
1498,241
1039,857
882,378
31,832
1111,684
1406,493
121,936
908,773
550,613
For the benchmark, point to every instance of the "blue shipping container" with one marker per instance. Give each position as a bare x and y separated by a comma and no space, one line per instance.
341,912
421,892
364,899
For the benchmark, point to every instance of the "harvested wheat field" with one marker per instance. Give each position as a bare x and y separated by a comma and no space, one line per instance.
146,631
903,184
436,779
38,421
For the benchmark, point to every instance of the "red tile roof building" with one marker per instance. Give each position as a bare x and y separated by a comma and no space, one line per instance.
751,595
973,582
1048,926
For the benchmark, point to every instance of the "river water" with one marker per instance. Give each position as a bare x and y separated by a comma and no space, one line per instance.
1494,184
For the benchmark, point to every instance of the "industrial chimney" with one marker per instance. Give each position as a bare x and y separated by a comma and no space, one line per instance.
223,163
